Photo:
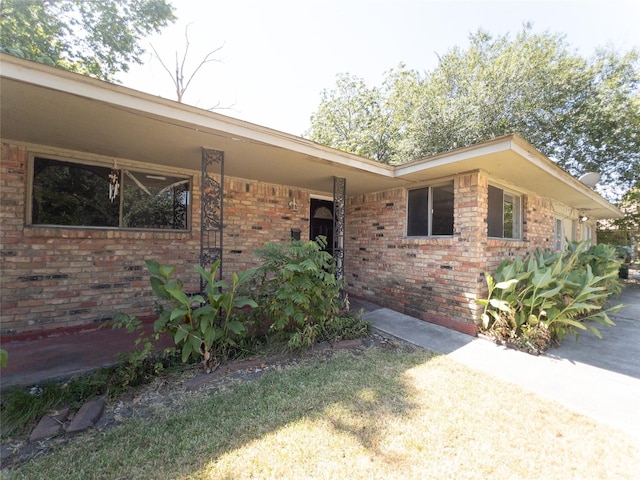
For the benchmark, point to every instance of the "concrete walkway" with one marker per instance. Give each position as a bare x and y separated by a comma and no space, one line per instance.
597,378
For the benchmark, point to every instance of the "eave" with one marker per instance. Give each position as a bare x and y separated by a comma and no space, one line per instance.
42,105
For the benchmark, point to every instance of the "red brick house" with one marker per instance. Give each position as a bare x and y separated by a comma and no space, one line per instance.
96,178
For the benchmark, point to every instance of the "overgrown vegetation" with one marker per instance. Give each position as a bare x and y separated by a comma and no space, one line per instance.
291,302
23,407
292,299
534,301
202,326
297,290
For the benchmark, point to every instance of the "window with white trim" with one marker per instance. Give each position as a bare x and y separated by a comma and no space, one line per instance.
505,214
78,194
430,211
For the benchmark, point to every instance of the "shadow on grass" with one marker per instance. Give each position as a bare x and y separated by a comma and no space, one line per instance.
351,393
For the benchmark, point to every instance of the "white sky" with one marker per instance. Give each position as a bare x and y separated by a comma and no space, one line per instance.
278,55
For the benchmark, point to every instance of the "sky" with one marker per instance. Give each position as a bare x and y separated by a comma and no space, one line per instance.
275,57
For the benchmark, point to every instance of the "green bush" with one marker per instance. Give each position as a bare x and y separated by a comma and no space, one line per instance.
604,261
297,290
547,295
203,327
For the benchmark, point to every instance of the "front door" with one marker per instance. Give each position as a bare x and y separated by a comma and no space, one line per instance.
321,221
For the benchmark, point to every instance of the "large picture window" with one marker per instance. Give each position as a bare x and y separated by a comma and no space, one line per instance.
505,214
430,211
76,194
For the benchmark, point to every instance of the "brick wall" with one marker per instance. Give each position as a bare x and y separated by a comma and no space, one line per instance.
435,279
256,213
62,277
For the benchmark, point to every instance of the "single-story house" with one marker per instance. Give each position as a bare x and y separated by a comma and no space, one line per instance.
96,178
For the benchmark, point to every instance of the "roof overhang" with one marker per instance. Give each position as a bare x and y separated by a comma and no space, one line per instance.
514,161
48,106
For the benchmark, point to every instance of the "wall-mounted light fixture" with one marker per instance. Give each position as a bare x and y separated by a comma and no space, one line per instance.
583,218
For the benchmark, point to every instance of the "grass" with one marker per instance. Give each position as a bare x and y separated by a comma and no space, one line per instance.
380,414
21,408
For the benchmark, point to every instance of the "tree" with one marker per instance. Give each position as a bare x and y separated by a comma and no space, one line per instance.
178,76
355,119
584,113
625,230
96,38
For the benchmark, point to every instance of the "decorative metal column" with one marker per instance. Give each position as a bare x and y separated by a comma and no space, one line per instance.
339,203
211,210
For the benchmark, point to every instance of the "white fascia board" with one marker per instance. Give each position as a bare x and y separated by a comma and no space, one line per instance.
129,99
494,146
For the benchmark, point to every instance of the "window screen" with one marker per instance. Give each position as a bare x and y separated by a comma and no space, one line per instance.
442,210
418,215
495,212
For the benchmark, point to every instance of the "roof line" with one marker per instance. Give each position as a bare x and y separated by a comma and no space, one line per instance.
525,149
27,71
76,84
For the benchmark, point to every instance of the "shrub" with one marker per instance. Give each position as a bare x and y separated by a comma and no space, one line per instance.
604,261
297,289
204,327
540,299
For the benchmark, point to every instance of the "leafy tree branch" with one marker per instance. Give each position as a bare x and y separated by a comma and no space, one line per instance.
95,38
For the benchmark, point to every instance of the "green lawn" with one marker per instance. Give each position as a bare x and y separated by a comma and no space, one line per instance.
383,413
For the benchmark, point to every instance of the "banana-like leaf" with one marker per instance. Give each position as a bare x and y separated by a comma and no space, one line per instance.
506,284
236,327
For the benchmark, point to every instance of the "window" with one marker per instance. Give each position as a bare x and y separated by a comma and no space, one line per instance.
557,234
430,211
564,230
75,194
504,219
